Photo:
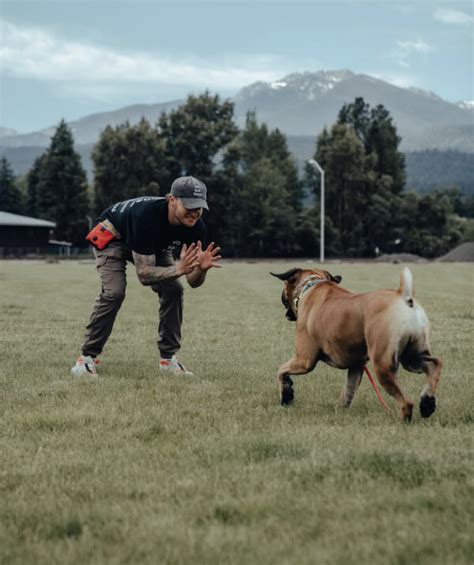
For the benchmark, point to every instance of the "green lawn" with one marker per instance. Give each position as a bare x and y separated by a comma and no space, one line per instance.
135,467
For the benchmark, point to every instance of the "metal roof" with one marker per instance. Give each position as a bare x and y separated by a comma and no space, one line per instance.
7,219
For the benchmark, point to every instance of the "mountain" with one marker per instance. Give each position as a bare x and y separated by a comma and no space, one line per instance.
466,105
4,132
87,130
305,103
300,105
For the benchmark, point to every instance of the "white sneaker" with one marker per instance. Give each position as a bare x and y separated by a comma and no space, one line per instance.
174,366
85,365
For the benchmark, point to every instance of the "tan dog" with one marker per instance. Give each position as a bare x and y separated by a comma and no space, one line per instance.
346,330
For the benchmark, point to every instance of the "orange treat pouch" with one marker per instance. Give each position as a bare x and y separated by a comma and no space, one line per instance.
102,234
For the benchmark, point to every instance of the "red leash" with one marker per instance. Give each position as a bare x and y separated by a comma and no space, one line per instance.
377,391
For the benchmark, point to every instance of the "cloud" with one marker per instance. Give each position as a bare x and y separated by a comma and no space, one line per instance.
418,46
452,17
36,54
405,50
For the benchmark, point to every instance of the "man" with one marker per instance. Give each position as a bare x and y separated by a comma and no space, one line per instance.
146,230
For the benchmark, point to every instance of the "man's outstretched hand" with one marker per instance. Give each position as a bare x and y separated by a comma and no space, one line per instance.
209,257
188,259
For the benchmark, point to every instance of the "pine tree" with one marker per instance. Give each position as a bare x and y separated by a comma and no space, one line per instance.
11,198
32,182
365,174
62,188
349,184
356,115
256,142
382,141
375,129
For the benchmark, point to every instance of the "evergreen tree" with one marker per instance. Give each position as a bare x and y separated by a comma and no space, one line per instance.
382,141
375,129
194,134
62,188
258,143
258,214
227,208
433,170
365,174
430,228
349,184
268,221
32,182
357,116
129,161
382,223
11,198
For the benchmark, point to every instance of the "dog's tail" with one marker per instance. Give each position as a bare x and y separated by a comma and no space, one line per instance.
407,287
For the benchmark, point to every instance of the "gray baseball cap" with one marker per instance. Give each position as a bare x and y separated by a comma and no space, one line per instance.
191,191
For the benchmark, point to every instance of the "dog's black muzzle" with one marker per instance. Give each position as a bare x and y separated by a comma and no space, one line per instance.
289,312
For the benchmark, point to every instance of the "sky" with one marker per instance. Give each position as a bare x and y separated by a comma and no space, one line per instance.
69,58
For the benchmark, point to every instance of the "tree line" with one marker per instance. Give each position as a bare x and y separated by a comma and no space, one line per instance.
260,205
431,169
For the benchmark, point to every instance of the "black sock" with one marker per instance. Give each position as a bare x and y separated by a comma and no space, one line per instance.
165,355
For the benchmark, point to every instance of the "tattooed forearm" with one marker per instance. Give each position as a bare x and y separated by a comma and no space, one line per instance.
196,277
148,273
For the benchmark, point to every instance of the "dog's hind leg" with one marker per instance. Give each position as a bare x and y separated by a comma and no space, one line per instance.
417,359
431,366
354,376
303,361
384,360
387,377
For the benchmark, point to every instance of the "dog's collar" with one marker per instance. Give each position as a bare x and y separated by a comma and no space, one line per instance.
311,281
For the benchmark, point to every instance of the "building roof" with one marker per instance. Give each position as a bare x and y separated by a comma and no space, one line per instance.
7,219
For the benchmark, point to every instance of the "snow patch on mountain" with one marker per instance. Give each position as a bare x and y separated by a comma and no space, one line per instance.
466,104
308,85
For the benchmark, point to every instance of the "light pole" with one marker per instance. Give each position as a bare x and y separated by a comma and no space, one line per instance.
316,165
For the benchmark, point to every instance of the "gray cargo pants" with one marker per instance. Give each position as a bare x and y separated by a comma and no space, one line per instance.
111,264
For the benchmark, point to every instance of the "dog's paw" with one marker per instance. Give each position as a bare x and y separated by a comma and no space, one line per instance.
287,394
427,405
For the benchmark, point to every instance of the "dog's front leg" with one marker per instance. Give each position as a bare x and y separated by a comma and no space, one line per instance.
302,362
285,386
354,376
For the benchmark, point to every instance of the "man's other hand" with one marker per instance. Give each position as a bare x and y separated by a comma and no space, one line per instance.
188,259
209,257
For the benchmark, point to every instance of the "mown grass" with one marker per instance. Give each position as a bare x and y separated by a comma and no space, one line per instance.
136,467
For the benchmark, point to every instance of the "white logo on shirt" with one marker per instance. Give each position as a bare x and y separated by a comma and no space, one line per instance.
125,204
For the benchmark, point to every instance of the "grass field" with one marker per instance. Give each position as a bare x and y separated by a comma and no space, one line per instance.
135,467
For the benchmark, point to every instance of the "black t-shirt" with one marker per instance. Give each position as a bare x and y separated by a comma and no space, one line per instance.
144,227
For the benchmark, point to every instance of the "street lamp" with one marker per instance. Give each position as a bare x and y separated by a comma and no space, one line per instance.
316,165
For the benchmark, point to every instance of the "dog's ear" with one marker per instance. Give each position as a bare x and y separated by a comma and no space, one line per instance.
337,279
287,275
